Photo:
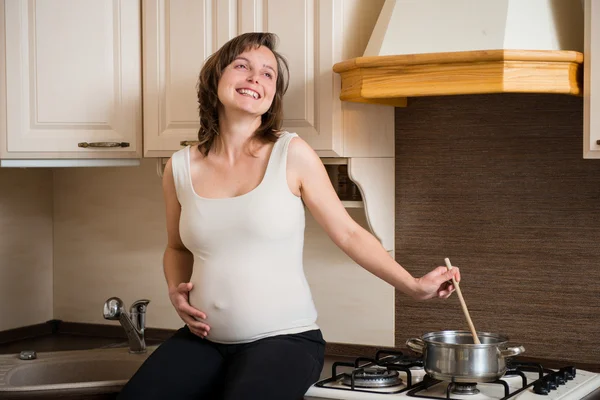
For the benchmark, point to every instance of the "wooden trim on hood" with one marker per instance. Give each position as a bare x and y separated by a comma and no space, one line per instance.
390,80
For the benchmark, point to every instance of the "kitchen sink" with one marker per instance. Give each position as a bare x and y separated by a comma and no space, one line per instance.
69,372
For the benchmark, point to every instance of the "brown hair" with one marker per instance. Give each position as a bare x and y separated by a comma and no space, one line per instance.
208,82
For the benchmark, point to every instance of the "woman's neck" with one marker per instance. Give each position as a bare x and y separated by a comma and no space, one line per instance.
235,136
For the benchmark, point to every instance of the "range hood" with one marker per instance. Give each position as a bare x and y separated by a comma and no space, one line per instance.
450,47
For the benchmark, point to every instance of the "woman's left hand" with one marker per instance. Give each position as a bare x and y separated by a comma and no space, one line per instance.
437,283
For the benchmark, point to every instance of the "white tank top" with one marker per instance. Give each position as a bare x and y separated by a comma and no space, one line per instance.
248,275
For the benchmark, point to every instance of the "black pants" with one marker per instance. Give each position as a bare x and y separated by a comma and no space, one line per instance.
187,367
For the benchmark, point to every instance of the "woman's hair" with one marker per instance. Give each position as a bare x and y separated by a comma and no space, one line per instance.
208,82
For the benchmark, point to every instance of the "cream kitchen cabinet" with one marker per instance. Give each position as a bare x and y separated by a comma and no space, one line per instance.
178,35
72,72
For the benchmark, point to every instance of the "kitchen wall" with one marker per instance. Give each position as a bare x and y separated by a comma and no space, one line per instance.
497,183
109,238
25,247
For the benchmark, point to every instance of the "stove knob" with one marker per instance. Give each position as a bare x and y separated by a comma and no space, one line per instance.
551,381
541,387
559,379
564,375
571,372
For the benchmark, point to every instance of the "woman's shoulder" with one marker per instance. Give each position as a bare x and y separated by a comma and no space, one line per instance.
181,153
179,156
299,152
185,157
289,139
285,135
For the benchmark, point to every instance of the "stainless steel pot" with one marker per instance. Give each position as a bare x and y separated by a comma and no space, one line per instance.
452,355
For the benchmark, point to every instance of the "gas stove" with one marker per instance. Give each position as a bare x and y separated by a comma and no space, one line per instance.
392,375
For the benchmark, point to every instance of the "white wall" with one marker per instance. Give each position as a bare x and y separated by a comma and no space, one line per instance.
25,247
109,238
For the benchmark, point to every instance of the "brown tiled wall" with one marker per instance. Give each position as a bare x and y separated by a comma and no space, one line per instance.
497,183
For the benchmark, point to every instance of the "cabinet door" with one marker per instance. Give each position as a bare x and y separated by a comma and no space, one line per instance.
177,37
310,39
72,76
591,90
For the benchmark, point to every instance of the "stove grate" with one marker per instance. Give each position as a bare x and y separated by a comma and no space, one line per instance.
392,360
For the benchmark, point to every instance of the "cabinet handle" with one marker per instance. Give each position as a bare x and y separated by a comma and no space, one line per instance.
103,144
188,143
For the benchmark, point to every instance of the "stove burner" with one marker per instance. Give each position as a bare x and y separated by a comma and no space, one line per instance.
464,388
372,378
407,362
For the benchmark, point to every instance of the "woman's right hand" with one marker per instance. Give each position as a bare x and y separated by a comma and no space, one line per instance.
192,317
437,283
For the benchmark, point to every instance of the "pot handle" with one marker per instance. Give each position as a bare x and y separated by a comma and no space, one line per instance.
512,351
416,344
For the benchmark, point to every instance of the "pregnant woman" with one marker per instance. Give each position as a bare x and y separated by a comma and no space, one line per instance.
235,223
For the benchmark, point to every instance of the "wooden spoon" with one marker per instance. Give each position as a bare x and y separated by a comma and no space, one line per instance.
463,304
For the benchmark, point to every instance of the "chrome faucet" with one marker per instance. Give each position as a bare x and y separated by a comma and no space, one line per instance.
134,323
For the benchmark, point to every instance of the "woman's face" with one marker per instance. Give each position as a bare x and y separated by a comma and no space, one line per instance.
248,84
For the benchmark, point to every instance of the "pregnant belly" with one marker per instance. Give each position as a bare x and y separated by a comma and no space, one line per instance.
248,313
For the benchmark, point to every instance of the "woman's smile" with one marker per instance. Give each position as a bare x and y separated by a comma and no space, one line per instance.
249,93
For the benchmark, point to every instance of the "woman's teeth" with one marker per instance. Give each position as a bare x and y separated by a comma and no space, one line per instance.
248,92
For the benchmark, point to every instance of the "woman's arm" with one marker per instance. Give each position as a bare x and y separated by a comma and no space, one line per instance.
359,244
178,261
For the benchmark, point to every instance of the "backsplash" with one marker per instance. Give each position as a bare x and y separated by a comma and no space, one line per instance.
109,239
25,247
497,183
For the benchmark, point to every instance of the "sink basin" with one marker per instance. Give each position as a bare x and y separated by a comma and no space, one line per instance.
72,371
67,372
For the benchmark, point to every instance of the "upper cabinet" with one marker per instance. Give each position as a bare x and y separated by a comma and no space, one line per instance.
591,113
311,40
73,74
73,79
179,35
